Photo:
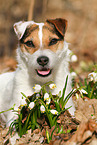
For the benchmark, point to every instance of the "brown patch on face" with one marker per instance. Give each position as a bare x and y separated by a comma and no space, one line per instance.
30,40
51,38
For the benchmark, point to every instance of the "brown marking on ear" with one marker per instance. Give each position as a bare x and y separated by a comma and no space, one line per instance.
60,25
31,34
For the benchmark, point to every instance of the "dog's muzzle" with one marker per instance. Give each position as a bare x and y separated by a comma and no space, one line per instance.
44,71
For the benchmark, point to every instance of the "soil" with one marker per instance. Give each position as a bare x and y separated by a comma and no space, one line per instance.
82,36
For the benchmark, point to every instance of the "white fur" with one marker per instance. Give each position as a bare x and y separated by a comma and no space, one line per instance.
20,27
25,77
40,33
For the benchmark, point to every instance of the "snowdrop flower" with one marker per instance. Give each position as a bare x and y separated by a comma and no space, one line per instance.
37,96
48,101
82,91
73,74
37,88
55,112
31,105
42,108
93,77
74,58
52,86
46,96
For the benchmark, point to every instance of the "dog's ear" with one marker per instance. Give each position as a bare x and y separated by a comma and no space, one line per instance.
60,25
20,28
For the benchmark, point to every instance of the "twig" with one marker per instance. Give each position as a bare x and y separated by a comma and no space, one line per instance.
31,9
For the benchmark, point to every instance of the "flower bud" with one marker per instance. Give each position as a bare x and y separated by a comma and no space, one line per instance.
52,86
31,105
55,112
42,109
37,88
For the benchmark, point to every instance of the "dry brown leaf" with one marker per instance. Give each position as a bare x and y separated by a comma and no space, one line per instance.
84,131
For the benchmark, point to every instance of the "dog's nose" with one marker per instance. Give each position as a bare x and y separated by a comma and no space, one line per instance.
42,60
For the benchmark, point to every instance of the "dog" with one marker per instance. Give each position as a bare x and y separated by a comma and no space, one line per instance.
42,56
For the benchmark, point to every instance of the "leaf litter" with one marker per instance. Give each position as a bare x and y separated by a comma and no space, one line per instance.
81,130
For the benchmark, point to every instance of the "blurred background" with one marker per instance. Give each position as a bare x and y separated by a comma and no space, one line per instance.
81,32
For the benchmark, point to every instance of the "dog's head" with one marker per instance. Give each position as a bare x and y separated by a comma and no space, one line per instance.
43,45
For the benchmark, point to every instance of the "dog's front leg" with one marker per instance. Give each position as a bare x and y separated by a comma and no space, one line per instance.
15,102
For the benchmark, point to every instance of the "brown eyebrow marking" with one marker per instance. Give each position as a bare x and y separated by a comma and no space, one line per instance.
51,30
54,31
28,31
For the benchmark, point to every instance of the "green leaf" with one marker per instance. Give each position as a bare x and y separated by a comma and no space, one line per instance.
68,131
67,98
57,106
64,89
25,97
50,116
63,94
48,136
52,133
34,119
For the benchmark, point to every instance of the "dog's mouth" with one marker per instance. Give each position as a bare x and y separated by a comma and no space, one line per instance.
44,72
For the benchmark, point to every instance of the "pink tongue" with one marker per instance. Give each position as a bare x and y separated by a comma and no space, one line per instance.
43,72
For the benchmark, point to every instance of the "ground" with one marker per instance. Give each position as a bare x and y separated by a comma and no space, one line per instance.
81,130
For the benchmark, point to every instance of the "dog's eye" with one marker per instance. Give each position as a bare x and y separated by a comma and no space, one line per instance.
53,41
29,44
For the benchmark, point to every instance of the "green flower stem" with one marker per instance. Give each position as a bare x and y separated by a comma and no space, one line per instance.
91,92
12,108
47,113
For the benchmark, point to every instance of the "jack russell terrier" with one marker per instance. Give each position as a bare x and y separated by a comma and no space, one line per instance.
42,56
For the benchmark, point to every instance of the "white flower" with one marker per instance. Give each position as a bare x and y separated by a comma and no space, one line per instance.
73,74
93,77
37,88
31,105
55,112
74,58
52,86
83,91
46,96
37,96
48,101
42,108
